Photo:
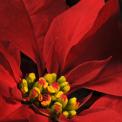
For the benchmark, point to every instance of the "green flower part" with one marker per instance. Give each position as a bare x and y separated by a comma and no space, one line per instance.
66,114
49,93
24,86
34,93
50,78
72,113
62,79
63,100
66,88
31,78
56,108
58,95
72,104
53,88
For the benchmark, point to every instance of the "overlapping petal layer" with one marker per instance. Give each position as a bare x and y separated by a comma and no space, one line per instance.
68,29
15,26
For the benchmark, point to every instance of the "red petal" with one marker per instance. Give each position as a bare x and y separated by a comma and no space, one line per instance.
15,26
68,29
38,118
7,108
41,13
16,112
8,86
109,81
101,41
25,114
86,72
106,109
10,58
99,115
6,82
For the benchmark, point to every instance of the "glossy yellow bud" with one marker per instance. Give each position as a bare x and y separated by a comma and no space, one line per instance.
31,78
49,78
64,84
56,108
54,76
66,88
24,86
72,104
63,100
66,114
53,88
53,98
72,113
58,95
43,82
62,79
34,92
36,84
72,100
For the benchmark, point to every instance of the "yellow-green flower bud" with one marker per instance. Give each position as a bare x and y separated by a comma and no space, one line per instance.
66,88
36,84
63,100
34,93
49,78
43,82
72,104
58,95
53,88
53,98
64,84
62,79
66,114
72,113
31,78
56,108
72,101
24,86
54,76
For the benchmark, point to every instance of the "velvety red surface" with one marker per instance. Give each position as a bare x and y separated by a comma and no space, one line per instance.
82,42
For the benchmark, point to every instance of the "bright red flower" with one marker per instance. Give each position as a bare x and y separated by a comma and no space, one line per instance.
82,42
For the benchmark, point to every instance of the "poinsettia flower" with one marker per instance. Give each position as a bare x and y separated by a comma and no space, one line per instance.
76,42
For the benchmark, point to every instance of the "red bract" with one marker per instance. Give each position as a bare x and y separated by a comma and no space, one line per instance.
82,42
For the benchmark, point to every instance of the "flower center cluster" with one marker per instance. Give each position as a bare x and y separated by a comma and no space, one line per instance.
49,92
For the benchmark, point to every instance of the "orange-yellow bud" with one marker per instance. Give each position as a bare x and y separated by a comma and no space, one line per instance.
54,88
58,94
24,86
63,100
31,78
34,93
66,114
40,97
62,79
66,88
72,104
50,78
46,100
72,113
43,82
56,108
